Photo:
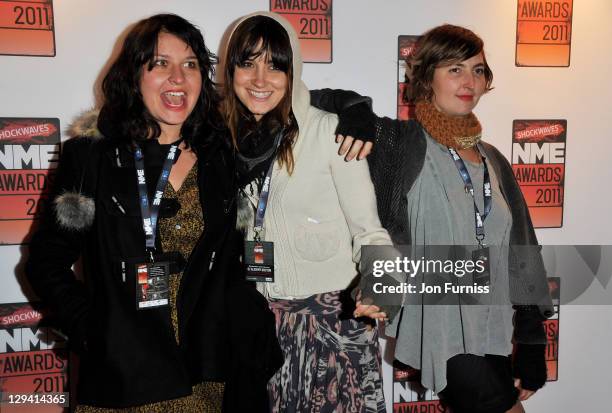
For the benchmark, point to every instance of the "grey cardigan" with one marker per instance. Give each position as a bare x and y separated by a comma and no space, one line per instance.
396,161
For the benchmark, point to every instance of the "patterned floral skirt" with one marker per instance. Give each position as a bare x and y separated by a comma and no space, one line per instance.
331,364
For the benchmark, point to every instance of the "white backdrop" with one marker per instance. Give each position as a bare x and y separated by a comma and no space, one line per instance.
365,49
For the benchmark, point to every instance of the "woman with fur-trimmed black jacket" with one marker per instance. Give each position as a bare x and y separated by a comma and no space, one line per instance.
129,356
161,327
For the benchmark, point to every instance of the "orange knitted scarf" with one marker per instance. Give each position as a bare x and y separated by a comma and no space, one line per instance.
455,132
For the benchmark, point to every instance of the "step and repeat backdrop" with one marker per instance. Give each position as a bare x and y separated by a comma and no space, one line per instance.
548,113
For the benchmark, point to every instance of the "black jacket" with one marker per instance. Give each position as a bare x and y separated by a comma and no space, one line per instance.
131,356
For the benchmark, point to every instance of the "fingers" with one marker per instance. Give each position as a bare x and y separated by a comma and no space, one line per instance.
365,151
524,394
380,316
362,310
370,311
355,149
347,141
352,148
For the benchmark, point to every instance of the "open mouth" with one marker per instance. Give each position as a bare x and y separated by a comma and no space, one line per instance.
259,95
174,99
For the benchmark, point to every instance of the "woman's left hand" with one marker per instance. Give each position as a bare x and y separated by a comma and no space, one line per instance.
352,148
367,310
371,311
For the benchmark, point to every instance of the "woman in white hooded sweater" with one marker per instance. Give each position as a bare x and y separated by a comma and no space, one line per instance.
300,204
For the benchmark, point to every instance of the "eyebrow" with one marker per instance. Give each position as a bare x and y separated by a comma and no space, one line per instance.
464,65
167,56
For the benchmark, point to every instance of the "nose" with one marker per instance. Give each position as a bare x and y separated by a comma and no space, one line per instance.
176,75
259,78
469,80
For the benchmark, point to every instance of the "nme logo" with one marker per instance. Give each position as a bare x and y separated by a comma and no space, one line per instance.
33,358
538,153
28,157
28,339
538,162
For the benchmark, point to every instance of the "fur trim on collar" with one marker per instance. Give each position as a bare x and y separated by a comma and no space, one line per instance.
85,125
74,210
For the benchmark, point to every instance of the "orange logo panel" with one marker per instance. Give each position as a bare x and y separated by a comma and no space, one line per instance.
405,48
543,33
312,21
538,162
29,152
33,361
27,28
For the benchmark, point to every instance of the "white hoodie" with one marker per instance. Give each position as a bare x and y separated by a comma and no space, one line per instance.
321,215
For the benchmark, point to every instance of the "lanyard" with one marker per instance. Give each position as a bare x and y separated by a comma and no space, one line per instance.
150,212
469,188
262,204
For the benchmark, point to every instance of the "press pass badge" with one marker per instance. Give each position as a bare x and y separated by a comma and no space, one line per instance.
258,254
482,270
152,284
259,261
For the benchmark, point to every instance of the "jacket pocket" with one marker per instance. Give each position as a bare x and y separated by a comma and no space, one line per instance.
317,240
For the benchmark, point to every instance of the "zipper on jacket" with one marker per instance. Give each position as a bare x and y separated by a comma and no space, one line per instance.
118,204
117,158
212,260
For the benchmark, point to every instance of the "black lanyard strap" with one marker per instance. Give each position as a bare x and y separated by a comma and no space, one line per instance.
150,212
262,204
469,188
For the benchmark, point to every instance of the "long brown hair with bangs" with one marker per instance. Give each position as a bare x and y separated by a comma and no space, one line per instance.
253,37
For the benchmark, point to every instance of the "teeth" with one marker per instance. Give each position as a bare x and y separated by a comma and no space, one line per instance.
260,95
174,98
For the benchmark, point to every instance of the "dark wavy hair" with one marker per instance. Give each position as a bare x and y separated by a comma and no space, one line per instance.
441,46
253,37
123,114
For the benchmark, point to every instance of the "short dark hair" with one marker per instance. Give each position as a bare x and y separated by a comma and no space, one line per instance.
123,114
253,37
441,46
